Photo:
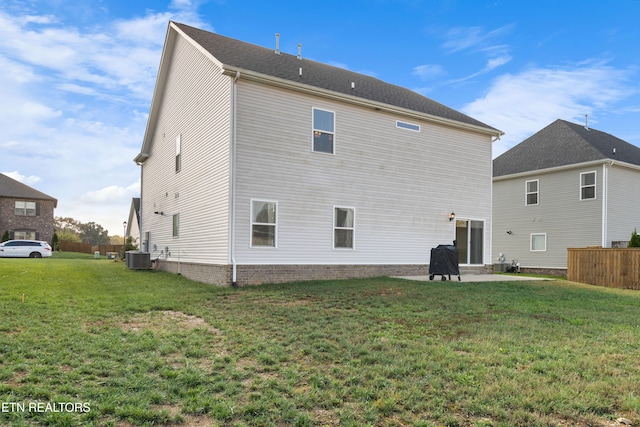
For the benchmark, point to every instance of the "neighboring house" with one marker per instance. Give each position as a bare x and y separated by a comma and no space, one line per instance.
25,212
566,186
133,224
261,166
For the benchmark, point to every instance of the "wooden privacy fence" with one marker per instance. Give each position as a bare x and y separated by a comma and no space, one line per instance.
613,268
86,248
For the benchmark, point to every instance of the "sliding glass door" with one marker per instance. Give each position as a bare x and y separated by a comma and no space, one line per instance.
470,241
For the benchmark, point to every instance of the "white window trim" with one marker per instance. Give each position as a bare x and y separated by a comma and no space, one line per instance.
531,242
251,224
313,130
595,185
334,228
527,192
468,220
407,126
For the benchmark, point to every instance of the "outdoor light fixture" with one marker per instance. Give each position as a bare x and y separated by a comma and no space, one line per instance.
509,232
159,213
452,216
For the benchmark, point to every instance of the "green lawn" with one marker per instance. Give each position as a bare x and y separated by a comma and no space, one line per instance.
114,347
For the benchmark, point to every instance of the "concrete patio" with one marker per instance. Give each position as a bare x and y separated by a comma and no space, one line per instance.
475,278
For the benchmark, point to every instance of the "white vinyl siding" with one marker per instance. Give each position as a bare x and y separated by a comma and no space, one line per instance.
403,187
195,107
622,215
566,220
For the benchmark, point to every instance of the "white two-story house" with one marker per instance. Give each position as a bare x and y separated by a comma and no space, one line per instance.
567,186
262,166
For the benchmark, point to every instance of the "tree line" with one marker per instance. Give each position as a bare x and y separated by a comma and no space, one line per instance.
72,230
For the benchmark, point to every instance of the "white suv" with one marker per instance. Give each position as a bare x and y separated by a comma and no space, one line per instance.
24,248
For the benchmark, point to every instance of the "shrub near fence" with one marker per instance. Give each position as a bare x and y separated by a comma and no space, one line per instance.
86,248
609,267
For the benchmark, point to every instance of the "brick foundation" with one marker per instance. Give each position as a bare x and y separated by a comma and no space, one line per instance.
221,275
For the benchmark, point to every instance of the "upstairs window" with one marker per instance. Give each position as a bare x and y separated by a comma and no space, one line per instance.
531,192
344,227
587,185
178,153
263,223
25,208
176,225
323,131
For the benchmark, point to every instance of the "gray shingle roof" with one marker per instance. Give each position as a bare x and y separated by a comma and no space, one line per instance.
9,187
563,143
238,54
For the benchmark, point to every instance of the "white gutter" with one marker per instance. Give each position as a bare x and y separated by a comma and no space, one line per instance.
599,162
376,105
232,172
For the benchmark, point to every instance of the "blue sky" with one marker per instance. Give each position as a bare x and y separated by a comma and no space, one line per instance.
77,78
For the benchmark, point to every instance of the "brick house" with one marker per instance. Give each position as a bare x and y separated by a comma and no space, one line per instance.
25,212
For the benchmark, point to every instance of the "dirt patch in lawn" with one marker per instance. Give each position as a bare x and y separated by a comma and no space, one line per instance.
167,320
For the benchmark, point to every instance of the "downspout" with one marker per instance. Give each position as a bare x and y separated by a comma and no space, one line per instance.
232,239
605,202
141,224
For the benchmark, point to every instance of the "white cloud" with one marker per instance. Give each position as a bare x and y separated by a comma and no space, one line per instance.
428,71
28,180
465,38
39,111
112,194
524,103
499,61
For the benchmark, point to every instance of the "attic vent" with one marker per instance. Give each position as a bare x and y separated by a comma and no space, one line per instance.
277,51
299,51
300,71
353,85
614,151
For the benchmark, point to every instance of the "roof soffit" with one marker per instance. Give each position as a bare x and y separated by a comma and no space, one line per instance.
174,30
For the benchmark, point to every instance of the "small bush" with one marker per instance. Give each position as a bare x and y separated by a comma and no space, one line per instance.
635,240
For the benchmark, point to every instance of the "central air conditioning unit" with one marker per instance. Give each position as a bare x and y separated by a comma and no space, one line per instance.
138,260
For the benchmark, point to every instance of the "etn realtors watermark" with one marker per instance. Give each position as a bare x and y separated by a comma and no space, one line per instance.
78,407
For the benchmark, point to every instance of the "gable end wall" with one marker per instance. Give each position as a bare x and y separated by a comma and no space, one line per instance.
196,106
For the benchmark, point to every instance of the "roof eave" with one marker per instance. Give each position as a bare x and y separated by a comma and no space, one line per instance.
563,168
237,72
167,52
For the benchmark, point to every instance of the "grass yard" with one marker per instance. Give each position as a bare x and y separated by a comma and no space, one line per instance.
95,344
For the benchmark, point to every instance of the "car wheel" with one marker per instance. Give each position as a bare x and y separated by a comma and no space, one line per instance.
35,255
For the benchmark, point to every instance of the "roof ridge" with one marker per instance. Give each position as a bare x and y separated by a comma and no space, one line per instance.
236,53
563,143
